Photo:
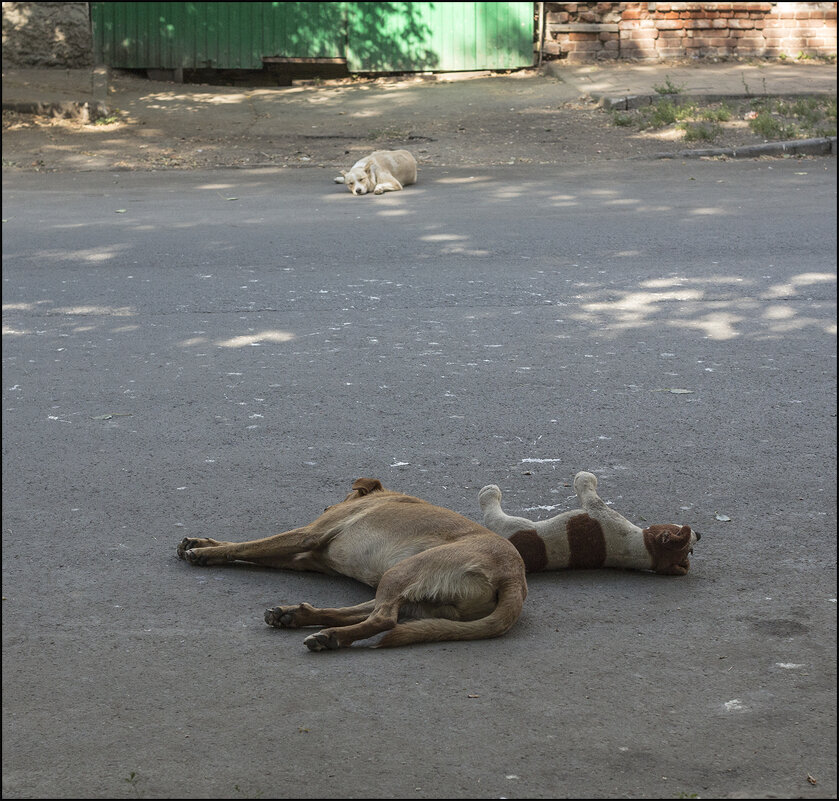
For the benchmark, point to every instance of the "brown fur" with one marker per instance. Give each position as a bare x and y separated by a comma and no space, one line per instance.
586,543
438,575
531,547
668,545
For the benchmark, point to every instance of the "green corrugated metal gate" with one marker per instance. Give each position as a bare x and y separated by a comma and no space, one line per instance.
371,37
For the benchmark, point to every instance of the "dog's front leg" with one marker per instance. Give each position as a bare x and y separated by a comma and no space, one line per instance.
280,550
385,182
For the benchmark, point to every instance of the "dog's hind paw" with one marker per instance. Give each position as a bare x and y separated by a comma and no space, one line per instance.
322,641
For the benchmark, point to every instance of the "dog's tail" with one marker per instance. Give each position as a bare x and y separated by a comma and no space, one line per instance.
511,597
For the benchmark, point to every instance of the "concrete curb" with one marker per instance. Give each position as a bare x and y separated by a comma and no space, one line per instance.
825,146
628,102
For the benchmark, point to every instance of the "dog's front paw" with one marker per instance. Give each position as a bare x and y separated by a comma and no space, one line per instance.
680,569
322,641
282,617
187,544
339,179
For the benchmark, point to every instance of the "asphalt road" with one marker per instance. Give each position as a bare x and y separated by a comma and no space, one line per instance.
222,353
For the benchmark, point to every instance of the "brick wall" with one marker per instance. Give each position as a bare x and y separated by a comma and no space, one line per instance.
583,32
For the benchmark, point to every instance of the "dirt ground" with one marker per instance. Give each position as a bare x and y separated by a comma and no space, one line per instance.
330,124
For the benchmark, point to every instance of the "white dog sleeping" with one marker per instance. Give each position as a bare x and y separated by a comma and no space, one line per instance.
590,537
381,171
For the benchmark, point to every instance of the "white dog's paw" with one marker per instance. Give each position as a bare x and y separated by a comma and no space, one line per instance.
339,179
488,494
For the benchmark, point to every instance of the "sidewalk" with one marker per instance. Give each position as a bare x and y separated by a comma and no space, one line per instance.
456,111
609,82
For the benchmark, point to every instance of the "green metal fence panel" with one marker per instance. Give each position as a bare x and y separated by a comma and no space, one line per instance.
219,35
397,37
372,36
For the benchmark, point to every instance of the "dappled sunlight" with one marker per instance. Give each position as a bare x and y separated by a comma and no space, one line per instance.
716,325
624,201
192,100
91,255
804,279
242,341
705,211
454,244
46,307
367,112
693,303
215,187
100,311
660,283
468,180
442,237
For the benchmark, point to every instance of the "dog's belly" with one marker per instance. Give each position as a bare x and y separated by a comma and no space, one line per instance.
366,557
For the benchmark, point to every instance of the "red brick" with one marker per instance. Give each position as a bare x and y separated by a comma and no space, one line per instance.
669,25
741,24
630,14
577,47
671,34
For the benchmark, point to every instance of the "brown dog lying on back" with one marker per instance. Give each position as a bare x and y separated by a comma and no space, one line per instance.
438,575
595,536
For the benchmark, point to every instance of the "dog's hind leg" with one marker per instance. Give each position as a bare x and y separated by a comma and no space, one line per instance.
293,617
383,612
382,618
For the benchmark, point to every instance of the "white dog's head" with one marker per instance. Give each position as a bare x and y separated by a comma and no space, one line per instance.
359,180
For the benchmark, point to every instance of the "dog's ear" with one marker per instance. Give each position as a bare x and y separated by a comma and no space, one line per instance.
673,537
364,486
